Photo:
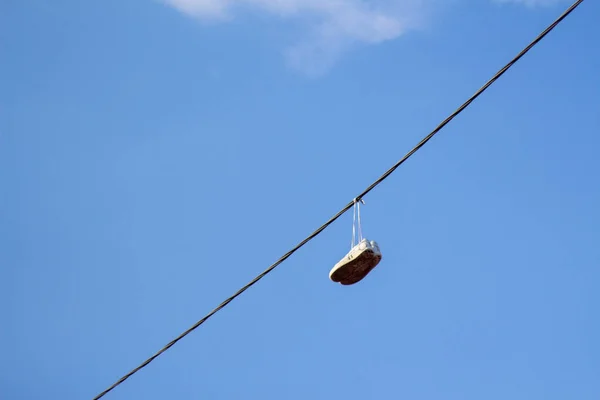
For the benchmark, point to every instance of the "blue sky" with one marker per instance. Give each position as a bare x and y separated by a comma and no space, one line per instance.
156,156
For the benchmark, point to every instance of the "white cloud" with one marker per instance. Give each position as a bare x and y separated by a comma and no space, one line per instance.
333,26
202,8
532,3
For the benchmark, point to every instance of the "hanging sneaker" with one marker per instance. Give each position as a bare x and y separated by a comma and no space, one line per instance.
357,264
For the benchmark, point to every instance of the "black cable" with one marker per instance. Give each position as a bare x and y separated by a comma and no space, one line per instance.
349,205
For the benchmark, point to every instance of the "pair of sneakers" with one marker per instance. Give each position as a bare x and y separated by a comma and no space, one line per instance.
357,264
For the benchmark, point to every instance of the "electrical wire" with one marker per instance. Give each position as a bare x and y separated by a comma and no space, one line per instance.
350,204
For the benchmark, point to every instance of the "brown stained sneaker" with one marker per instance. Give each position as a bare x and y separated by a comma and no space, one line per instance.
357,263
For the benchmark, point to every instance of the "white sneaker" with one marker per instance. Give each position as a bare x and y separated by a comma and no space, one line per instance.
357,264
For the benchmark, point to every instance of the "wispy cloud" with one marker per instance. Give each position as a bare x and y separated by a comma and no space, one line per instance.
532,3
333,26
